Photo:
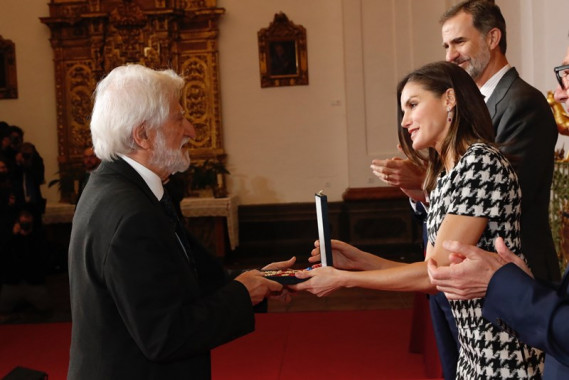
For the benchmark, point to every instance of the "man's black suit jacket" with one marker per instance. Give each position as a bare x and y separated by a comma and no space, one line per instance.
139,311
527,132
535,311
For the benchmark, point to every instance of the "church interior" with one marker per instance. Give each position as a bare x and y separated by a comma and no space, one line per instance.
271,136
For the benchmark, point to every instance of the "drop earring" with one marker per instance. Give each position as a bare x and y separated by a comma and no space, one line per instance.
449,116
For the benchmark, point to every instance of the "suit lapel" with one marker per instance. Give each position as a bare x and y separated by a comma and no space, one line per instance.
501,90
121,168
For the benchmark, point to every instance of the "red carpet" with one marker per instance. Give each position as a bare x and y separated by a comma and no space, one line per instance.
43,347
320,345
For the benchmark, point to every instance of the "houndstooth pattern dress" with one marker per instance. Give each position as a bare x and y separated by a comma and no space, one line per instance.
483,184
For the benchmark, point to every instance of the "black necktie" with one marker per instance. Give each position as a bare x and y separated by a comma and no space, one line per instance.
168,205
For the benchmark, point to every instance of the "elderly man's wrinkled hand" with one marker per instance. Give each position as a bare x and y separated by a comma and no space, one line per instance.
258,286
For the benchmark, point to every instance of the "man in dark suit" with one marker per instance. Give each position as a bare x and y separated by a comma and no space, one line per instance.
147,301
90,163
474,37
535,311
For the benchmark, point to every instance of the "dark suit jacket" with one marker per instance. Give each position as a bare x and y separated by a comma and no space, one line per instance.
139,311
535,312
527,131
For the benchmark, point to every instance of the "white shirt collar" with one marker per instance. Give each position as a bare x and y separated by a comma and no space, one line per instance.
152,180
488,88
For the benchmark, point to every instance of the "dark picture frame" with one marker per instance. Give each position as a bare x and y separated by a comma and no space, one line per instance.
8,78
283,57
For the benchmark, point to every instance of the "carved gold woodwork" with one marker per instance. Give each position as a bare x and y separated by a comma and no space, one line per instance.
91,37
561,117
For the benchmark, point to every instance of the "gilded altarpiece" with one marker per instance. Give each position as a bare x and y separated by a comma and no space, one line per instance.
90,38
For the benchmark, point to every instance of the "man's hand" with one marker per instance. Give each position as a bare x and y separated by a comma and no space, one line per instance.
258,286
278,292
471,269
510,257
284,295
281,264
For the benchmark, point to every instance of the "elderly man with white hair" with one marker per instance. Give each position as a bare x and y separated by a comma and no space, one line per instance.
147,300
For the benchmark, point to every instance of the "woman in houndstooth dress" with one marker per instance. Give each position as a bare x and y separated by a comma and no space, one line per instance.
482,184
474,197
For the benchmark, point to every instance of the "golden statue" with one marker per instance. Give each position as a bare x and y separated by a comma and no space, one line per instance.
561,117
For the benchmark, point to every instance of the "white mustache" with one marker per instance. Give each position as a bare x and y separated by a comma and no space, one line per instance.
184,142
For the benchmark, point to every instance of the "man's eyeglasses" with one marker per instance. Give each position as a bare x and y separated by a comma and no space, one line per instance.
562,74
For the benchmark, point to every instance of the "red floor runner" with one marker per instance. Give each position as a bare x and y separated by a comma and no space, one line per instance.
43,347
369,344
321,345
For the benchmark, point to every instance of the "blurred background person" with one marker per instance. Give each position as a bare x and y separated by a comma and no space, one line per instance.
28,177
8,209
23,270
90,163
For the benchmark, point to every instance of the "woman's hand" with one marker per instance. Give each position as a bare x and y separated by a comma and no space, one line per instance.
345,256
321,281
399,172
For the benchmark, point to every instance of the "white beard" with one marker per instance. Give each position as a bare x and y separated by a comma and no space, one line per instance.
170,160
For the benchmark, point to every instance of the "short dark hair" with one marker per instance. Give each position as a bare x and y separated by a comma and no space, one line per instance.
486,15
17,130
471,122
26,213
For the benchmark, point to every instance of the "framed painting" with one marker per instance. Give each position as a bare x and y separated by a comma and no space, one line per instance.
283,57
8,82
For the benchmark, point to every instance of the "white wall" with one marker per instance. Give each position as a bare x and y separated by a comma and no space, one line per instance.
384,41
284,144
389,38
538,37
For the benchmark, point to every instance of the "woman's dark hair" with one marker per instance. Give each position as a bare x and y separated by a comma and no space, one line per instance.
471,121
